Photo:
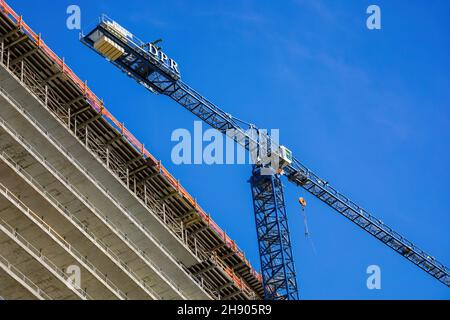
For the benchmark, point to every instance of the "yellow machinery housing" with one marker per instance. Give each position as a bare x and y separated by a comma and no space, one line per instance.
109,48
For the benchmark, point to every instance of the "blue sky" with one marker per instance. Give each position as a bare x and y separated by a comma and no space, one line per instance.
369,111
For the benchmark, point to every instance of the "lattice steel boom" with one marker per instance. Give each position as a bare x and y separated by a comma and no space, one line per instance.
139,62
274,243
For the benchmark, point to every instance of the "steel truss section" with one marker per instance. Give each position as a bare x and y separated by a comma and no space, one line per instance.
277,263
302,176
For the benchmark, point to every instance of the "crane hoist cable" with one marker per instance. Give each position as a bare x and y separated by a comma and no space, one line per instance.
303,204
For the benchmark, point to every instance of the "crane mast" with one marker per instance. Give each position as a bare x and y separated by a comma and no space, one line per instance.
274,243
153,69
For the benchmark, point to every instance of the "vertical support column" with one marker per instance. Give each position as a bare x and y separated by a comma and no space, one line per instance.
46,96
164,213
195,247
68,117
145,193
86,136
182,232
21,70
277,263
3,50
107,157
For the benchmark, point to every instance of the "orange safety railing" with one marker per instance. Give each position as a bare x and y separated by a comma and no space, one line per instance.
97,104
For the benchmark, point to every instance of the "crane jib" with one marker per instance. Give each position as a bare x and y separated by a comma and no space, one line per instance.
322,190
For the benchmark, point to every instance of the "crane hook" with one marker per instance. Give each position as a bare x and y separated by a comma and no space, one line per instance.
302,202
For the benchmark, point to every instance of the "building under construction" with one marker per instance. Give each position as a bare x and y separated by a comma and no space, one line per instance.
86,212
79,193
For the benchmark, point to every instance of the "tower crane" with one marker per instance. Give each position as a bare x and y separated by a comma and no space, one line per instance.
151,67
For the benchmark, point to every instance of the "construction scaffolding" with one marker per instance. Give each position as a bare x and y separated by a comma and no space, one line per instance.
154,212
